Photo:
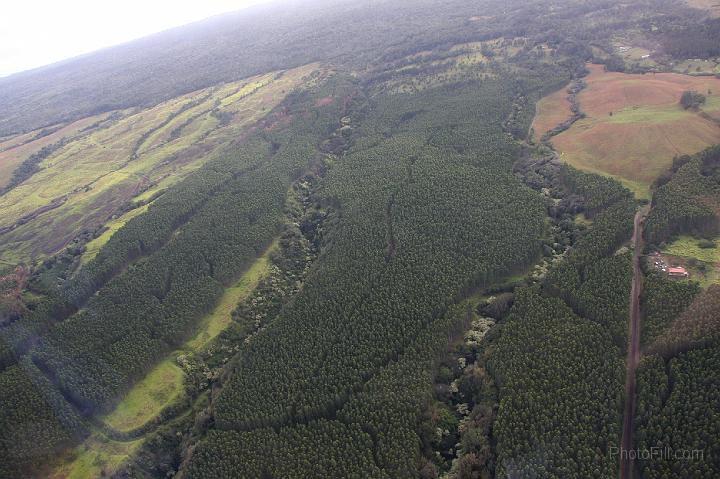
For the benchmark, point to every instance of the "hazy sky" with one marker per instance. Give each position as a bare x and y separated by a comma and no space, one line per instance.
37,32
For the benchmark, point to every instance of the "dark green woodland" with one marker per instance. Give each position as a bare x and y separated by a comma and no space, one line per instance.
442,296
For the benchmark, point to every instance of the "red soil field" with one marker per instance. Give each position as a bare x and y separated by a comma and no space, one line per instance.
550,112
612,91
634,125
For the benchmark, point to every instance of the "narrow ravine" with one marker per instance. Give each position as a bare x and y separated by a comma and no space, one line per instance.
633,356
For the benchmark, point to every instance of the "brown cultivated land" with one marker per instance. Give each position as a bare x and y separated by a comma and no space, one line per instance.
634,125
550,112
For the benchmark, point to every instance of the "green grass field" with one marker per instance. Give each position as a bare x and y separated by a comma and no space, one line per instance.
703,264
696,66
712,102
115,162
148,397
468,57
162,386
707,278
92,247
164,383
96,457
214,323
712,106
649,114
688,247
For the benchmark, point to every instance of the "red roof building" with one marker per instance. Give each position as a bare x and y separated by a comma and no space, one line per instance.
677,271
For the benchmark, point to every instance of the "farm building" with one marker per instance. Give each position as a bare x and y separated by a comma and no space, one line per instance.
678,272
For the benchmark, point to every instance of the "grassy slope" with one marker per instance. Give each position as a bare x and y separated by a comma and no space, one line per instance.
160,387
646,130
464,57
712,106
697,66
164,383
551,111
16,149
92,247
94,458
687,246
97,173
703,264
214,323
157,390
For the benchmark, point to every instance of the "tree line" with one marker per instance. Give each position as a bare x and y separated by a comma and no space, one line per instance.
427,207
558,362
147,287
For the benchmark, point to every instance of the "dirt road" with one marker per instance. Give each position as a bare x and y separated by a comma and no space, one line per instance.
633,355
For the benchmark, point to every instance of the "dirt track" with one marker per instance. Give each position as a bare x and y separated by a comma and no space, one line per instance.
633,356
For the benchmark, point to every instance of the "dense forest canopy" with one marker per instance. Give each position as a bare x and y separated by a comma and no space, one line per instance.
427,290
290,33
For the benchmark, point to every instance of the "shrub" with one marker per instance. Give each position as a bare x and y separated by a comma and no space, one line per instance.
691,99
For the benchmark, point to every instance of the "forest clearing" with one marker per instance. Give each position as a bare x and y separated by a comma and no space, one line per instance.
634,124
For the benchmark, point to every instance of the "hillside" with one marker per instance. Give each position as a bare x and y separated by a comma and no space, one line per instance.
392,240
224,49
286,35
634,124
111,165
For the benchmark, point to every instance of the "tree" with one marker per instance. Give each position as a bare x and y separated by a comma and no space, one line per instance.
691,99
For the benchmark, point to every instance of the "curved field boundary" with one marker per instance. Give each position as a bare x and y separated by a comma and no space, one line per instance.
634,124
